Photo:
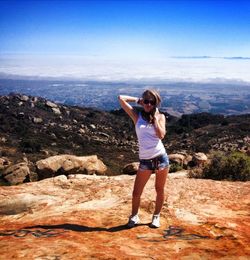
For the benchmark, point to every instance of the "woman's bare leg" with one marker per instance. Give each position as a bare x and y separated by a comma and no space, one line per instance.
141,179
160,180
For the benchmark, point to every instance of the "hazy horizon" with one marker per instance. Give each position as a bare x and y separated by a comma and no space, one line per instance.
172,69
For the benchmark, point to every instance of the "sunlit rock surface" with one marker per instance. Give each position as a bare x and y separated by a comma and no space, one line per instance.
84,218
70,164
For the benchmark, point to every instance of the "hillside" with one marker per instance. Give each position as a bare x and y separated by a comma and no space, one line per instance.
40,128
36,128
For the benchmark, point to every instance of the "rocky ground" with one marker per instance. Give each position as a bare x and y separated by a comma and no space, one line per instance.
85,217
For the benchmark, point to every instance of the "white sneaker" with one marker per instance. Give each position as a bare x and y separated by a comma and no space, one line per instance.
155,221
133,220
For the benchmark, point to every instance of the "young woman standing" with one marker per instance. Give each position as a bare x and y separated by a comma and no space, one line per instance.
150,127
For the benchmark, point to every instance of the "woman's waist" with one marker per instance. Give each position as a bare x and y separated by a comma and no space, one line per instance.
155,158
151,153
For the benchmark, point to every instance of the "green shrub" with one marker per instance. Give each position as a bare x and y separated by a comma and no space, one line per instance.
234,167
175,167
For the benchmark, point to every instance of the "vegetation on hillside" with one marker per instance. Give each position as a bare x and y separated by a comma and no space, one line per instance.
234,166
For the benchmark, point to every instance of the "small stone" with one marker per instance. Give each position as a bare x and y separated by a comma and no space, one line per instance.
24,98
3,140
37,120
56,111
81,131
51,104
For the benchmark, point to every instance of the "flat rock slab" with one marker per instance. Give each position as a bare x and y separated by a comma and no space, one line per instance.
86,218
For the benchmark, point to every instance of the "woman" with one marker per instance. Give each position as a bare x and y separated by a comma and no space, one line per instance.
150,129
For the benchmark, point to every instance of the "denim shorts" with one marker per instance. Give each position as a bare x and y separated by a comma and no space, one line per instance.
158,163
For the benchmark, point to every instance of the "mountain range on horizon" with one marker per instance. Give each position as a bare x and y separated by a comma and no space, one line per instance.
212,57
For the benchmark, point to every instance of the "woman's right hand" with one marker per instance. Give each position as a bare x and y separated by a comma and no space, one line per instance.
140,101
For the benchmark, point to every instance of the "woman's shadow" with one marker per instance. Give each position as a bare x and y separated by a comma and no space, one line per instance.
80,228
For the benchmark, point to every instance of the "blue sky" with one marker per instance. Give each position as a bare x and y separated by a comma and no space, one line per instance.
122,30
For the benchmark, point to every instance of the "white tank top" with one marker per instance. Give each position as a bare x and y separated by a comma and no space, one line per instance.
150,145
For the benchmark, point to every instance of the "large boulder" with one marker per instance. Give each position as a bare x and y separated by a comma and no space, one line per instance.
200,159
70,164
131,168
177,158
17,173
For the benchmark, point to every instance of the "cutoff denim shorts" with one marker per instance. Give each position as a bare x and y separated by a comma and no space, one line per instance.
158,163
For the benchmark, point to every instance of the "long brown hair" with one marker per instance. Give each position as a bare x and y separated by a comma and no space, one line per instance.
149,117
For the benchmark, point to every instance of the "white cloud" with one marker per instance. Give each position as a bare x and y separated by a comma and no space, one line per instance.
98,68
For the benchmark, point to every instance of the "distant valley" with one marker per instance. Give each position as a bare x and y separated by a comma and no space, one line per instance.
178,97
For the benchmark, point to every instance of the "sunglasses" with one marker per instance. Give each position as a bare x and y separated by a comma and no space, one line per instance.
149,101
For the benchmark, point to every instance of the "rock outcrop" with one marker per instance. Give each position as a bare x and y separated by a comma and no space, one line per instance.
17,173
200,159
67,164
85,218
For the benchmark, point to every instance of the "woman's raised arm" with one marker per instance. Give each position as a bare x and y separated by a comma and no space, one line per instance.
127,107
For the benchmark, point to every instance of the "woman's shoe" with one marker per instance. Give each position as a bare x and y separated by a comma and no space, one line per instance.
155,221
133,220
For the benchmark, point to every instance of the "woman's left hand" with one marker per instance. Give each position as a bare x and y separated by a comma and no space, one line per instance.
156,115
